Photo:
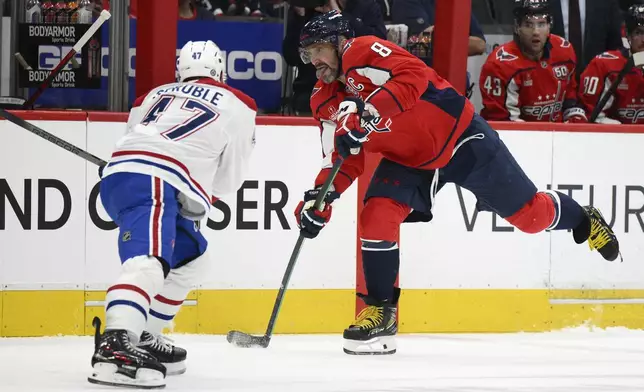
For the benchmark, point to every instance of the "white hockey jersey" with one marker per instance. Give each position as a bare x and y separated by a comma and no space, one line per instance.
197,136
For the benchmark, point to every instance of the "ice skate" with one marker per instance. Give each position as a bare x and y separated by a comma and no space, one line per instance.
598,233
375,328
118,362
171,356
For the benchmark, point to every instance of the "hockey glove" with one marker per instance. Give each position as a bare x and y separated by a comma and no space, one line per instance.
575,115
310,220
349,134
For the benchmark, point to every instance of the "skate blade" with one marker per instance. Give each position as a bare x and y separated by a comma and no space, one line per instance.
175,368
106,374
384,345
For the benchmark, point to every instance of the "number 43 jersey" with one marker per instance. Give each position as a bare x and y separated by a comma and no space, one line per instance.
197,136
515,88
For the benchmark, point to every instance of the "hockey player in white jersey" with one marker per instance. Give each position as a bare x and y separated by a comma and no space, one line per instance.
187,143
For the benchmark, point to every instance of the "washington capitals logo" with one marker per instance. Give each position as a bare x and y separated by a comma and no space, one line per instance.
502,55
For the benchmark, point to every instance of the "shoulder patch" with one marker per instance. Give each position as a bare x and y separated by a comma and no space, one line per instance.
607,55
503,55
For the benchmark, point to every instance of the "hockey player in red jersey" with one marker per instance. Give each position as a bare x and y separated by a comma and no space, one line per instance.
374,97
531,78
627,103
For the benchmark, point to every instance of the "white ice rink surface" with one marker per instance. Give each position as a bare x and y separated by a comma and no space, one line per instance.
569,361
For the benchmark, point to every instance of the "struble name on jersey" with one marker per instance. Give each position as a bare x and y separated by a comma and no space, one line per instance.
634,115
210,95
541,111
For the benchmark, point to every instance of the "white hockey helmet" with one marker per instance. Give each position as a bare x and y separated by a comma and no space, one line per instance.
201,59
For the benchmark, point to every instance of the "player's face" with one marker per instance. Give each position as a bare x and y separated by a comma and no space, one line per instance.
325,59
533,33
637,40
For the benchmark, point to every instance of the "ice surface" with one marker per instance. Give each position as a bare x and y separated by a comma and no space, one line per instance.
568,361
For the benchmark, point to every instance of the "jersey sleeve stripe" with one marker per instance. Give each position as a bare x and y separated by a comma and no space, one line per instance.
320,106
383,88
346,175
512,101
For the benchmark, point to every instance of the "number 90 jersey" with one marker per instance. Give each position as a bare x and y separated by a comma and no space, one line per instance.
196,136
515,88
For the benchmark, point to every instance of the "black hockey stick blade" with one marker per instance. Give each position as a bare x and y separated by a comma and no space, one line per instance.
242,339
51,138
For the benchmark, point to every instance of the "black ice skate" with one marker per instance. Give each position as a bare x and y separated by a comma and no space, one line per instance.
599,235
374,331
118,362
171,356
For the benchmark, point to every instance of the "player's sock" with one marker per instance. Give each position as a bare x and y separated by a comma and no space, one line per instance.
178,283
380,262
128,300
164,308
568,213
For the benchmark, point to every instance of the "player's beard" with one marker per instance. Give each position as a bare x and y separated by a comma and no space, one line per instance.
637,45
326,74
532,49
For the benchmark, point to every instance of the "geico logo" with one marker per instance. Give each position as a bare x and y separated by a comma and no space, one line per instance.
49,56
240,64
541,111
633,115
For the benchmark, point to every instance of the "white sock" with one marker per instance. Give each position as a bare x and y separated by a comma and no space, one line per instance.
128,300
177,285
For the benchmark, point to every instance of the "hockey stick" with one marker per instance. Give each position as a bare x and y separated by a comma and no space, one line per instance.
105,15
21,60
636,60
242,339
51,138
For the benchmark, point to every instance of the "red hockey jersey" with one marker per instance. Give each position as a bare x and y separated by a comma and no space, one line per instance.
627,104
420,115
519,89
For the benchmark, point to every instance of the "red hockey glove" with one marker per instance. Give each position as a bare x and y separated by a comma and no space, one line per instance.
311,221
575,115
349,134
